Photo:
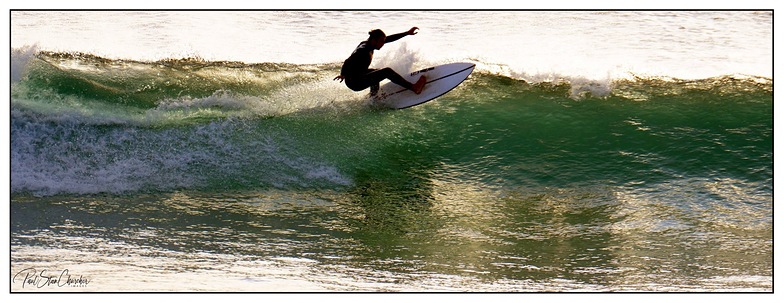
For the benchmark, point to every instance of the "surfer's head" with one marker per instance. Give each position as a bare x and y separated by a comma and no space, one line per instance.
377,38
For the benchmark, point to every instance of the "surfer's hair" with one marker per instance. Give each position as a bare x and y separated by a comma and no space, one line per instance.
376,33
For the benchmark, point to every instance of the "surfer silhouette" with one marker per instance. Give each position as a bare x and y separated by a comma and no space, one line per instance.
358,74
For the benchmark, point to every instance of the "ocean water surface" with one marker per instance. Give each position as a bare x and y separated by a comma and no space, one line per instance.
171,151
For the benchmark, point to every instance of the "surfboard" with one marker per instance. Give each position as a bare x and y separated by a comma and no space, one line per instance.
440,80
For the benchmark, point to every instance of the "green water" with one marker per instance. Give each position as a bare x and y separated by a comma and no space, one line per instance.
217,176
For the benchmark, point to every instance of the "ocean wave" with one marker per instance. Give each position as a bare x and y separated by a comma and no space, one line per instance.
270,89
92,90
84,124
49,159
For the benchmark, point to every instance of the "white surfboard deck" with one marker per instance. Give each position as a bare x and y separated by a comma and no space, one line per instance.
440,80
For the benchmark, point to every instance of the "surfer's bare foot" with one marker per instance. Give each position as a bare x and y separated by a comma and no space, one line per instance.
419,85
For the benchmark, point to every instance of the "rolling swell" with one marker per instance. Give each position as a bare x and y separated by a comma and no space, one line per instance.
84,124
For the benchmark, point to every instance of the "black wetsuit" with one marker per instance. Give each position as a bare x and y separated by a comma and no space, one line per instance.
358,74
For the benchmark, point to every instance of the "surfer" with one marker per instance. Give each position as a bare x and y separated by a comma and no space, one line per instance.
358,74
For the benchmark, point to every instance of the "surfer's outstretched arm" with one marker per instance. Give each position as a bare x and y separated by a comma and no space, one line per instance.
396,37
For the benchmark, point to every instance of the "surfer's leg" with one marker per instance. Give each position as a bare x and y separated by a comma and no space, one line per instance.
374,86
373,78
397,79
419,85
387,73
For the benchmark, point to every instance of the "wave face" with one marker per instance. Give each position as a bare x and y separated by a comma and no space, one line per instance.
83,124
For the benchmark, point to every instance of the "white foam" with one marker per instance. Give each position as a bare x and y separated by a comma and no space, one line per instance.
20,57
53,158
682,44
221,99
